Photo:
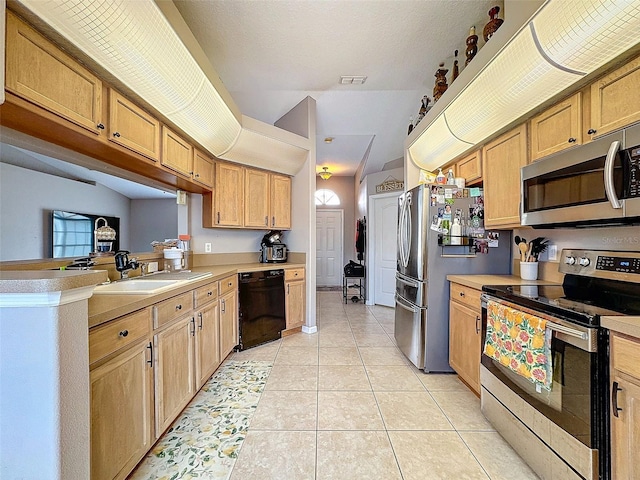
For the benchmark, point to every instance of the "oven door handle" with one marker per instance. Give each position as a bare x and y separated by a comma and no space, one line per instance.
567,331
609,188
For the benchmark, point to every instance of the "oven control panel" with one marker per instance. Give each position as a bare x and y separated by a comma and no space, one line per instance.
623,266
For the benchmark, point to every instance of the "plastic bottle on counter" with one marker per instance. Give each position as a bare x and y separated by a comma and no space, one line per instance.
440,178
456,232
451,180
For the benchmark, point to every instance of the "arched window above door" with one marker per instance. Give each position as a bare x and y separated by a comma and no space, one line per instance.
327,197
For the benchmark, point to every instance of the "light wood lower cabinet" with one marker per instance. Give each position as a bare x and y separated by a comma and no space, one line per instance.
175,370
465,334
295,287
207,342
121,412
228,322
625,407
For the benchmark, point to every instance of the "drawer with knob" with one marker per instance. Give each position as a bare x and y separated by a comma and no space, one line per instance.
293,274
228,284
465,295
205,294
172,308
112,336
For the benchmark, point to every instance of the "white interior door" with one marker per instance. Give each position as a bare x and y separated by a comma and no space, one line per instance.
329,241
384,233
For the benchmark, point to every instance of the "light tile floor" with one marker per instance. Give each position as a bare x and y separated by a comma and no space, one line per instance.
344,403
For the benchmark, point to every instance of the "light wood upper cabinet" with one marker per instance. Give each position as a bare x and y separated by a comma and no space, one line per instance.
121,412
256,198
615,99
470,168
557,128
132,127
229,191
502,159
177,153
41,73
280,202
625,392
465,334
175,372
202,169
295,287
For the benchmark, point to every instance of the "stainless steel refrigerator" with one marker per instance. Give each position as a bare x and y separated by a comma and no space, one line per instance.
430,247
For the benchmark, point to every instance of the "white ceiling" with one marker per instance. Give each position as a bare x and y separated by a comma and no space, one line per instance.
271,54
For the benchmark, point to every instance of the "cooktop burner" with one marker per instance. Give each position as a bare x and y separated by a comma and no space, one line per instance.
598,284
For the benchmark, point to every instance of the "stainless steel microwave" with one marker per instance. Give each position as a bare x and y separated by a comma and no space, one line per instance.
596,184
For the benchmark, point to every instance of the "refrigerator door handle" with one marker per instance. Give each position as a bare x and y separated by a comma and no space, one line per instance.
406,280
407,306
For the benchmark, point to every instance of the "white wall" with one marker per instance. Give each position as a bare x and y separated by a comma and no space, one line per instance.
343,187
152,219
26,199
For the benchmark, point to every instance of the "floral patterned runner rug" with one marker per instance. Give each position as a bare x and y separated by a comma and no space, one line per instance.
204,441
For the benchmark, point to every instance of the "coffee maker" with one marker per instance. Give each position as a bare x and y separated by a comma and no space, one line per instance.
273,250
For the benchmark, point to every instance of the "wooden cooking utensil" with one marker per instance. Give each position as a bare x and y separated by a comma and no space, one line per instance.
523,251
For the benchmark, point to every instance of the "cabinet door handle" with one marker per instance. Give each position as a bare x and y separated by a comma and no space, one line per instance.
288,285
266,220
591,131
614,398
209,293
150,347
273,221
193,324
477,324
116,134
197,175
178,307
218,217
572,140
100,126
462,294
124,333
200,318
224,306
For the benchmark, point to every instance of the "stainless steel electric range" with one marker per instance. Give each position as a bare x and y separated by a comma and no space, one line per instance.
563,432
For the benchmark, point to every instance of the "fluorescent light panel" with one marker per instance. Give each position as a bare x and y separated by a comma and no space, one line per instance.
576,38
135,43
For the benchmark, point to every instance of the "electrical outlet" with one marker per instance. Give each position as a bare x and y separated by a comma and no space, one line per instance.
152,267
207,247
552,253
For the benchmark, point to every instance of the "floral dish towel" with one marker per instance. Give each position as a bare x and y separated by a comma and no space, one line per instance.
519,341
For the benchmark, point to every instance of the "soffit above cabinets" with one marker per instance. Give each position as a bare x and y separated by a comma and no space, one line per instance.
147,47
561,44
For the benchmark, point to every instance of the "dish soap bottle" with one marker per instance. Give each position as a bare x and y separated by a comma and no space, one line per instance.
440,178
451,180
456,232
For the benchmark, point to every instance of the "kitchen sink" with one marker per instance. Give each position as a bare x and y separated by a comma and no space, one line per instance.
137,287
150,284
183,275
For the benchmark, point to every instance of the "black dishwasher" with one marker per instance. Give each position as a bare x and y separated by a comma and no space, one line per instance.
262,313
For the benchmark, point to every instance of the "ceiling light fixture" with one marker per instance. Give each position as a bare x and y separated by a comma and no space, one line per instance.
328,140
353,79
325,174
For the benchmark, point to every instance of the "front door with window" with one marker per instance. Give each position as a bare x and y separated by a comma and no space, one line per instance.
329,241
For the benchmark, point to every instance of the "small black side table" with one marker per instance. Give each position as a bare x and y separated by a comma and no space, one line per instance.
353,288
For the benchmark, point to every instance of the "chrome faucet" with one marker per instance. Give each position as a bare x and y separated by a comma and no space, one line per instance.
123,264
